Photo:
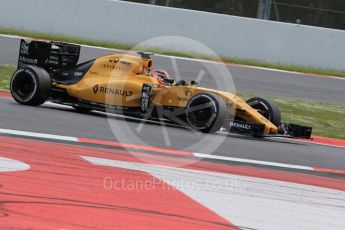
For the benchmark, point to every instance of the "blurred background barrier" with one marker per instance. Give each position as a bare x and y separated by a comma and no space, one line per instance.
322,13
232,36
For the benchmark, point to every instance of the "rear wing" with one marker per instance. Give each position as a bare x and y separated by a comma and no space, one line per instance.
48,54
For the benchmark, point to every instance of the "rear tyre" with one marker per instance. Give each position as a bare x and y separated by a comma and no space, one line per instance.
206,112
267,108
30,85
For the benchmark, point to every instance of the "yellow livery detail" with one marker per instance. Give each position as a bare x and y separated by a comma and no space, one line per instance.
126,84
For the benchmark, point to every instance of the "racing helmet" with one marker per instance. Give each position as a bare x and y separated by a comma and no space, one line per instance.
162,76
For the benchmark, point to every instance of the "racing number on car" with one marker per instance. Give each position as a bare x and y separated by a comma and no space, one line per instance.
145,97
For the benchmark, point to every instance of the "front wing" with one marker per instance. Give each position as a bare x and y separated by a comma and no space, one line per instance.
257,130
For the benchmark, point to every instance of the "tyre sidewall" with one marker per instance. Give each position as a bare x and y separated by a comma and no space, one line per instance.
217,118
42,85
272,107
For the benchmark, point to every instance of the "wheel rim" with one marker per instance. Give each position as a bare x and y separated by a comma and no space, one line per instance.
201,112
23,86
262,108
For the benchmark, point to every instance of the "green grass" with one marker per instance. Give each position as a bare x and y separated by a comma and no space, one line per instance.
5,76
327,120
123,46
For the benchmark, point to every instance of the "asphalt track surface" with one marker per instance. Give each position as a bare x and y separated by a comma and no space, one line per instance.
65,121
254,81
71,194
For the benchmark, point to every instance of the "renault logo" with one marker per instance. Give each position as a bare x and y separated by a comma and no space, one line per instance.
95,89
114,59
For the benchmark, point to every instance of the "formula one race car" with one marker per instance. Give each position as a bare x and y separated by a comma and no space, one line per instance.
125,84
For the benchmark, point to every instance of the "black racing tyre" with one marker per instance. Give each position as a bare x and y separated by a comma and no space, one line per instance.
266,107
206,112
30,85
81,109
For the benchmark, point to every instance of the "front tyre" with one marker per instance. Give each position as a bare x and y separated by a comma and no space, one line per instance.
267,108
206,112
30,85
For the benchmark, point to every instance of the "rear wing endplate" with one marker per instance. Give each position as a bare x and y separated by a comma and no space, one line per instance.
48,54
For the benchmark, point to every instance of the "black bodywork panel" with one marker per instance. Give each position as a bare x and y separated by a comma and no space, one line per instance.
242,127
296,130
256,130
57,58
72,75
48,55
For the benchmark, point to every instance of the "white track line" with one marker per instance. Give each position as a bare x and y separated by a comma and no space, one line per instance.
11,165
309,142
256,162
38,135
197,155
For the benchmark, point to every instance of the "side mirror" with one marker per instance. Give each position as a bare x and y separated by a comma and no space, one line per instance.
194,83
145,55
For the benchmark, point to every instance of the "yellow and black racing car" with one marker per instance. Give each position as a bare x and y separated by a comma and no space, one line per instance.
125,84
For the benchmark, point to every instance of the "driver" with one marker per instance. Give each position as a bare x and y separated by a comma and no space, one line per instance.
163,77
